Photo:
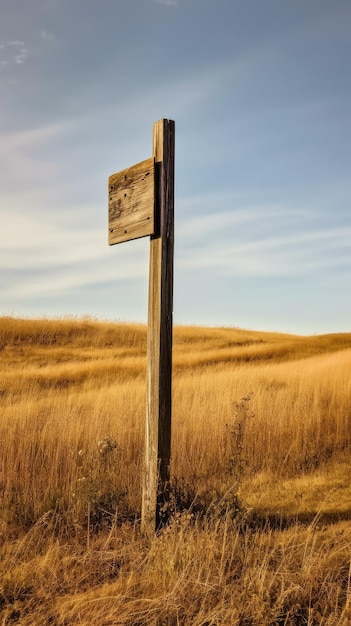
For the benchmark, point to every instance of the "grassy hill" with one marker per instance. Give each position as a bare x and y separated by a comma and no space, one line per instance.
259,532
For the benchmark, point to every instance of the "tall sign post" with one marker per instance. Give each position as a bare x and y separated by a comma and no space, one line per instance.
141,203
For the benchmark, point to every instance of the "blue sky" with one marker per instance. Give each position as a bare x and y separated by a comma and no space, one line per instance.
260,92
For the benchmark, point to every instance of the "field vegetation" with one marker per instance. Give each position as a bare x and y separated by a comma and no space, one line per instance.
257,531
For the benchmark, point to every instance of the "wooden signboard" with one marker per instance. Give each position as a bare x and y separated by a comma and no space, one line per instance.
141,203
131,204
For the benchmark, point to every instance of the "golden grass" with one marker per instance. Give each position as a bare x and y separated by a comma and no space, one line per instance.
260,444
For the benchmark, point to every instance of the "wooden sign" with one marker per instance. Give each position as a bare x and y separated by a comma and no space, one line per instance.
141,203
131,202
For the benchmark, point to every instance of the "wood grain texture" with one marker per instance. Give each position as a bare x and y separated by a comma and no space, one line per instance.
160,327
131,204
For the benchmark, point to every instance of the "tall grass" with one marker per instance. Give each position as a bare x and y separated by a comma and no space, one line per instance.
261,423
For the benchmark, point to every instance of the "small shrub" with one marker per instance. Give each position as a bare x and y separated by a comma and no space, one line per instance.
98,493
236,461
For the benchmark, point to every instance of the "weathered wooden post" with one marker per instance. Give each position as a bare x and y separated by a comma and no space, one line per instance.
141,203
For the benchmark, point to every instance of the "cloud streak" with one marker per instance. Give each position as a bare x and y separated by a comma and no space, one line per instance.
53,254
25,160
168,3
258,240
290,255
13,53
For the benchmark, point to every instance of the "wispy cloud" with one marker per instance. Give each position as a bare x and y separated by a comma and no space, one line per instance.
13,52
48,37
258,240
296,255
55,254
235,213
31,136
24,152
20,58
41,237
168,3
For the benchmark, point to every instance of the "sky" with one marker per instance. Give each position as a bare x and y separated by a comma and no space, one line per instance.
260,93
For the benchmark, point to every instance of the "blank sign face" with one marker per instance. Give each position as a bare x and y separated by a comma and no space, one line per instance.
131,202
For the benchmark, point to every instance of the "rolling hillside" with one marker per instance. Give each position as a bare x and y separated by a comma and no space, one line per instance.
258,530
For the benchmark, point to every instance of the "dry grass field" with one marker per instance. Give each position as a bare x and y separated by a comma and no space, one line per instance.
259,526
